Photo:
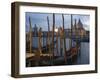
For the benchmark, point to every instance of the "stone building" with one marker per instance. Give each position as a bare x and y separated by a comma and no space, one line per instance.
78,29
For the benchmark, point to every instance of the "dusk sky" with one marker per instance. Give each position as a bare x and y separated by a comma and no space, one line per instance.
40,19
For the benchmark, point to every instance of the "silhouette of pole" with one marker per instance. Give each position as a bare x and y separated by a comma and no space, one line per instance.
75,31
49,36
40,40
71,31
48,23
76,34
53,27
30,32
64,38
56,31
61,41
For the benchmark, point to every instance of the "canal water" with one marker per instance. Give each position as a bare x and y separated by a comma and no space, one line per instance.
83,55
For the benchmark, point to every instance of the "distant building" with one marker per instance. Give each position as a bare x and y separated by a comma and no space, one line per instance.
78,28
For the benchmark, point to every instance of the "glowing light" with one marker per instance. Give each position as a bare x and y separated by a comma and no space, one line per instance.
56,29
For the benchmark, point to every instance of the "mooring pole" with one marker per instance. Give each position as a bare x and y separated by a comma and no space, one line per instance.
39,47
53,27
71,36
30,32
61,44
40,40
76,36
71,31
49,38
75,31
64,38
57,41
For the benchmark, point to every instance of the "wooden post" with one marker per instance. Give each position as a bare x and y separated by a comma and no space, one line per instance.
81,37
48,35
43,39
46,41
71,31
40,40
48,23
60,34
49,46
57,42
75,30
76,34
30,32
48,31
64,38
39,48
71,36
53,27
